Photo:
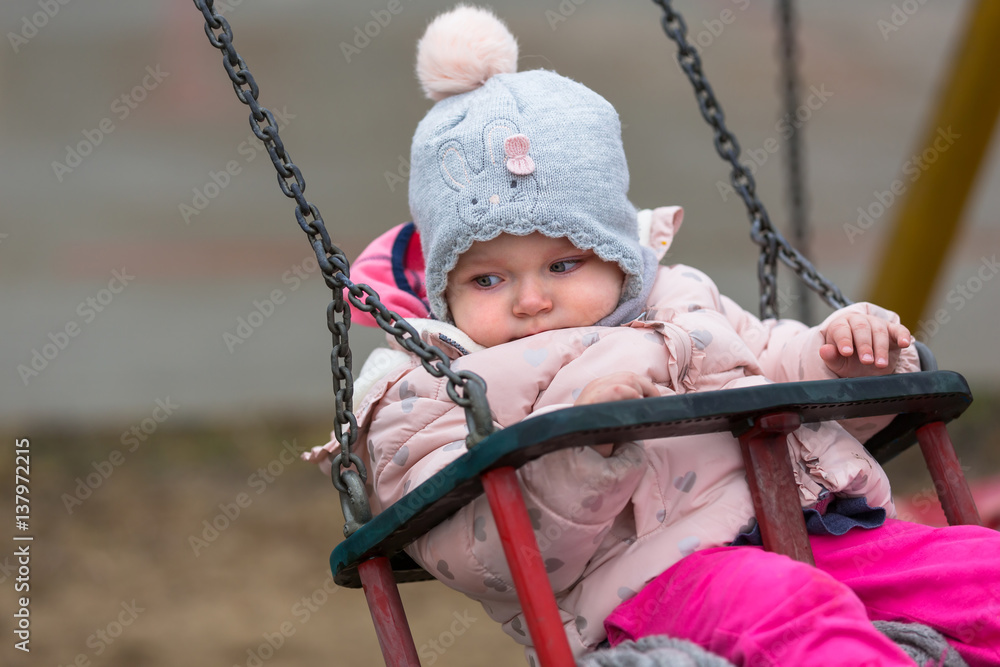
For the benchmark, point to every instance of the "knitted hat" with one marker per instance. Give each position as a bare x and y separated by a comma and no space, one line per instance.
516,153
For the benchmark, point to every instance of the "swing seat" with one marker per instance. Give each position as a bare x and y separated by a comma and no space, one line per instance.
924,401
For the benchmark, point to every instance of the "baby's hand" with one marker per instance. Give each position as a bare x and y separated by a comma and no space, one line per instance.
858,345
620,386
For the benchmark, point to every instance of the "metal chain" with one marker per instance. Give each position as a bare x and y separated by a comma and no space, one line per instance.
796,189
466,389
773,245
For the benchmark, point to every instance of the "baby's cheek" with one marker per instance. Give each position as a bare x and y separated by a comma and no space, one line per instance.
612,288
606,304
487,329
461,308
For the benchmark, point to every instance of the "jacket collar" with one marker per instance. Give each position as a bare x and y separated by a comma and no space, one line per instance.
450,339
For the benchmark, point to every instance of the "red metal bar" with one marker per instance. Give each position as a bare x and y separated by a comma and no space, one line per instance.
386,607
772,486
525,561
949,482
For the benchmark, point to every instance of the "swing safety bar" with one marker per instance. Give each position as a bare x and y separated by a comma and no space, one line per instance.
760,417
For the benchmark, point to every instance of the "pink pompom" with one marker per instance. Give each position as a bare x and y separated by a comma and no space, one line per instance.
461,50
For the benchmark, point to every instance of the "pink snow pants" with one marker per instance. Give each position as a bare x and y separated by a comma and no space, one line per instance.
758,608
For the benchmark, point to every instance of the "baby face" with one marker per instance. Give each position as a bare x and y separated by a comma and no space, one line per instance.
517,286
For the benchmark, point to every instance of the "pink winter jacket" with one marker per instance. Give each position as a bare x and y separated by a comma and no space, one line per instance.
606,526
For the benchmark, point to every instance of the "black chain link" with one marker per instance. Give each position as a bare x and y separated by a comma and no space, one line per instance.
772,244
336,273
796,192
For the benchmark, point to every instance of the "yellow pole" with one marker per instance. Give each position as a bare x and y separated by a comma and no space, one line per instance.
937,179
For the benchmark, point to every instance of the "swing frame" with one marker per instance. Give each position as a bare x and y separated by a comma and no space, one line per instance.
372,556
760,417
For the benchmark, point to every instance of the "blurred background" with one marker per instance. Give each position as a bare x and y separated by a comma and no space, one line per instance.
163,335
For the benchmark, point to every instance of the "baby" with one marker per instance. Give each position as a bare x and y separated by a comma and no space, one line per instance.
527,264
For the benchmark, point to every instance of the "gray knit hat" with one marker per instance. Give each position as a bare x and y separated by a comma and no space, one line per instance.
516,153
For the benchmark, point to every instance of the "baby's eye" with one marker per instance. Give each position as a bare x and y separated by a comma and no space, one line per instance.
564,265
486,281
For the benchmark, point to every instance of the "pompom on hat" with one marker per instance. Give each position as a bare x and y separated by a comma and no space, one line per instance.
517,153
461,50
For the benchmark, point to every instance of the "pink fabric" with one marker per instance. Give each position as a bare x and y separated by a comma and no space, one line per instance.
374,267
758,608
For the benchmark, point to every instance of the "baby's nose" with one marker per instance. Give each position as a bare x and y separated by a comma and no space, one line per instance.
532,299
